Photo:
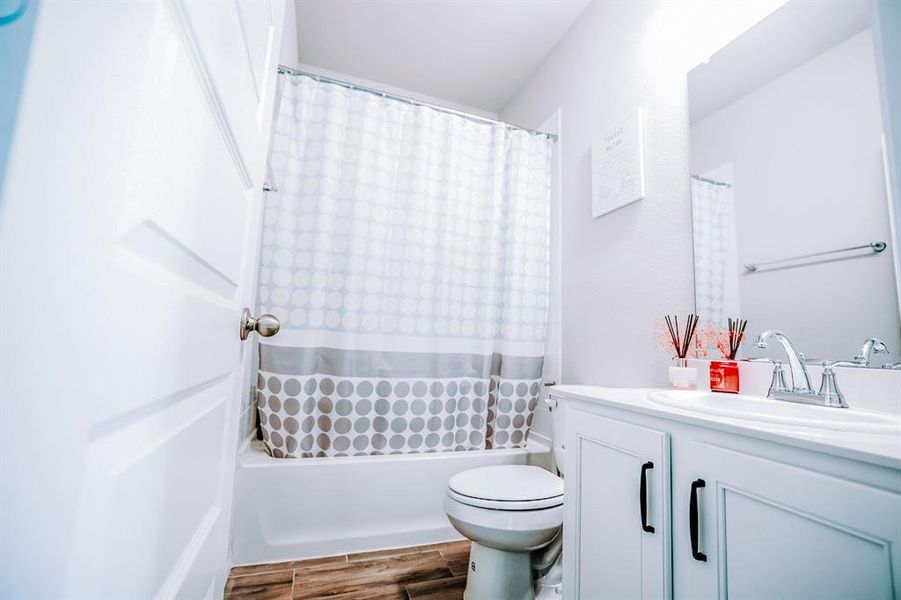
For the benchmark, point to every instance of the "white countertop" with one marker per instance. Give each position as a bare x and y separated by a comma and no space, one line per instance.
884,450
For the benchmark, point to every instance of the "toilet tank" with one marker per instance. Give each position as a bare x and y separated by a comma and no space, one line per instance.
555,407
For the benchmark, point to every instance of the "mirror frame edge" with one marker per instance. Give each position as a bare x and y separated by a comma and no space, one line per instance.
885,22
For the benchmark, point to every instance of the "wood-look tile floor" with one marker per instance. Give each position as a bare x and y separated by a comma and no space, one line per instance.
434,572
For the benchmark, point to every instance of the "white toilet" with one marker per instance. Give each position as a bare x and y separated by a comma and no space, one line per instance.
507,511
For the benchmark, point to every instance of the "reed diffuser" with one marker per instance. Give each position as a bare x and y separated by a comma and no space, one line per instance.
681,376
724,374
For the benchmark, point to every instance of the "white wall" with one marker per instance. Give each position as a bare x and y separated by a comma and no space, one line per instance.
289,54
807,160
625,270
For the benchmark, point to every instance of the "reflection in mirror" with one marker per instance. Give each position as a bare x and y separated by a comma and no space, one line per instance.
787,162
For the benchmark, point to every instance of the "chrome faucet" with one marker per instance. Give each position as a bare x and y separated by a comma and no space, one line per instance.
870,347
800,378
800,391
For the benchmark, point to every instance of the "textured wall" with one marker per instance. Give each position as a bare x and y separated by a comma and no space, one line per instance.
289,54
624,270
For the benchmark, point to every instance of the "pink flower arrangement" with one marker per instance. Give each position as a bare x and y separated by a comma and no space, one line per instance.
709,339
719,339
663,341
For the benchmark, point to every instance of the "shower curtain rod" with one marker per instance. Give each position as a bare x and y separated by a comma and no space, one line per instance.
289,71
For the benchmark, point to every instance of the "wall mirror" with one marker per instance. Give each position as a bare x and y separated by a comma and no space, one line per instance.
790,209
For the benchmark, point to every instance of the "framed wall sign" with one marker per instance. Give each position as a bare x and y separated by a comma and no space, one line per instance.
617,165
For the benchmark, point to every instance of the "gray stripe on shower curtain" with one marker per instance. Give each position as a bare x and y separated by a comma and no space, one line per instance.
363,363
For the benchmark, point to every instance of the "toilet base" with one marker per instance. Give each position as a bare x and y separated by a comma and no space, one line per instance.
498,575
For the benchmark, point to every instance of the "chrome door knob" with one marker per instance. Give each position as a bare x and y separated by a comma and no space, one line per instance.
265,325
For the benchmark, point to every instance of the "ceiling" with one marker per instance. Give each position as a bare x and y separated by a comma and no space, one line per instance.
475,53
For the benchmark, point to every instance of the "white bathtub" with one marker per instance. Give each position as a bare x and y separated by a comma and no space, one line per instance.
287,509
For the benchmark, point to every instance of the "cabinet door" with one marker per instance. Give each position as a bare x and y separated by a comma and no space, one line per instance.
772,530
611,552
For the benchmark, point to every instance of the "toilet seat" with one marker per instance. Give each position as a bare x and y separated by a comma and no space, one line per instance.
507,487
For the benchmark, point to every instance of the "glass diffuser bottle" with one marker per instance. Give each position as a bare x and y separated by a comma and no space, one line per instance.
724,374
681,376
679,341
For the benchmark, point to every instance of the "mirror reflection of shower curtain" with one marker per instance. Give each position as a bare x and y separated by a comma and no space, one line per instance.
715,254
406,253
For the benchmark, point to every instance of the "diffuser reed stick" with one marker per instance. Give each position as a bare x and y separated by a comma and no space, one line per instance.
681,339
736,336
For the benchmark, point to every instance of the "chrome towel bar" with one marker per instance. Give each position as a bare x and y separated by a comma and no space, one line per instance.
876,247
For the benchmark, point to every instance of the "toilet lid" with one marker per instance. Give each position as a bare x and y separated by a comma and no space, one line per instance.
520,485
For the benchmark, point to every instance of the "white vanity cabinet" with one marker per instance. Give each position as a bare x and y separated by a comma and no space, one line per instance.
734,516
768,529
616,529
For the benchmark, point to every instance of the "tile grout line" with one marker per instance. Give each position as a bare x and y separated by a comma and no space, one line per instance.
230,576
293,579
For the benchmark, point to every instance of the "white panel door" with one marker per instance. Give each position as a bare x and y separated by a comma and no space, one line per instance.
616,526
129,224
766,529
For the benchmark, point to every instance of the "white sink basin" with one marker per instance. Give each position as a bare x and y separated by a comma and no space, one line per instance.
752,408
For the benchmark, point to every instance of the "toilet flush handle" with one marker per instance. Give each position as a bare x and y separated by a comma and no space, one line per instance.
550,402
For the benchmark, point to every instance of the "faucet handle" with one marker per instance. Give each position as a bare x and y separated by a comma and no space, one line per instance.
829,390
778,383
870,346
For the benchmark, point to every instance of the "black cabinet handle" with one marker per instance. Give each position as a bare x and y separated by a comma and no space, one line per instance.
643,496
693,520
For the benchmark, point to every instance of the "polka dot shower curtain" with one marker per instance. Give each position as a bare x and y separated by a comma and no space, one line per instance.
406,253
715,254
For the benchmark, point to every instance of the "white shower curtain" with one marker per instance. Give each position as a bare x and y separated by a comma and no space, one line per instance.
715,254
406,253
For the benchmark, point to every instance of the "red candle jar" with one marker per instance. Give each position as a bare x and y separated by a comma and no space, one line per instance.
724,376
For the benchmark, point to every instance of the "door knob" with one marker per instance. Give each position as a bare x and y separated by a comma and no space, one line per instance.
265,325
